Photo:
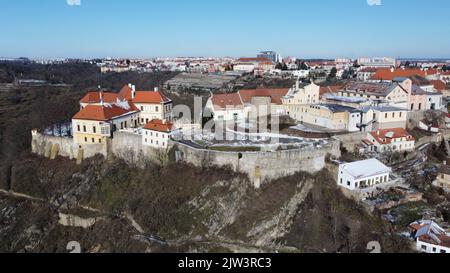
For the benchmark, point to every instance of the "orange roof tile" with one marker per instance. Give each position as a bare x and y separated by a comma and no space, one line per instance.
102,113
222,101
274,94
150,97
94,97
439,85
159,125
387,74
125,92
330,89
387,135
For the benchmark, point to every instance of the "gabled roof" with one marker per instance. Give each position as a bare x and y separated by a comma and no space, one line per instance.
159,126
329,89
126,92
105,112
365,168
224,101
94,97
439,85
430,232
420,81
388,75
274,94
386,136
154,97
375,88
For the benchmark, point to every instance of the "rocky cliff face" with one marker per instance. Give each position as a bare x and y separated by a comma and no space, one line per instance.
175,208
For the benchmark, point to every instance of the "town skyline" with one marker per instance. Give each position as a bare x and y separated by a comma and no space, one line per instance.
323,29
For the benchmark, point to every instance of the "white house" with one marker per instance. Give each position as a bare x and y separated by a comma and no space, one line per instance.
151,104
244,67
363,175
157,133
226,107
430,237
389,140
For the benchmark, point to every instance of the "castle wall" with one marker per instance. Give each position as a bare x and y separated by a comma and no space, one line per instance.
259,166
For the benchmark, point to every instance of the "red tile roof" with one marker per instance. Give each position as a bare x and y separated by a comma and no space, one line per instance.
94,97
387,135
330,89
222,101
254,60
159,125
155,97
439,85
103,113
386,74
274,94
125,92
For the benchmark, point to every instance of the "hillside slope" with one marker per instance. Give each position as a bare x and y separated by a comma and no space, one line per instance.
194,210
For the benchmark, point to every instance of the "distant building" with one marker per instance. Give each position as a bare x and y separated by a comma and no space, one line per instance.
445,77
430,237
390,140
377,62
389,74
363,175
259,65
365,74
271,55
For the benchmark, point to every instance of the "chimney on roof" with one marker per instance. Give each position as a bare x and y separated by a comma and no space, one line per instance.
133,91
101,98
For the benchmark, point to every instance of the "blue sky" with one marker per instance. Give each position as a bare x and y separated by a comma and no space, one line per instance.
149,28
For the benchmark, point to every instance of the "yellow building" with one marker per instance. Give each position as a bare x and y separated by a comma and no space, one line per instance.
331,116
443,178
94,124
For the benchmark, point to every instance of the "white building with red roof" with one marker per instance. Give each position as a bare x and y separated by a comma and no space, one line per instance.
227,107
151,104
389,140
238,106
94,123
102,113
157,133
430,237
